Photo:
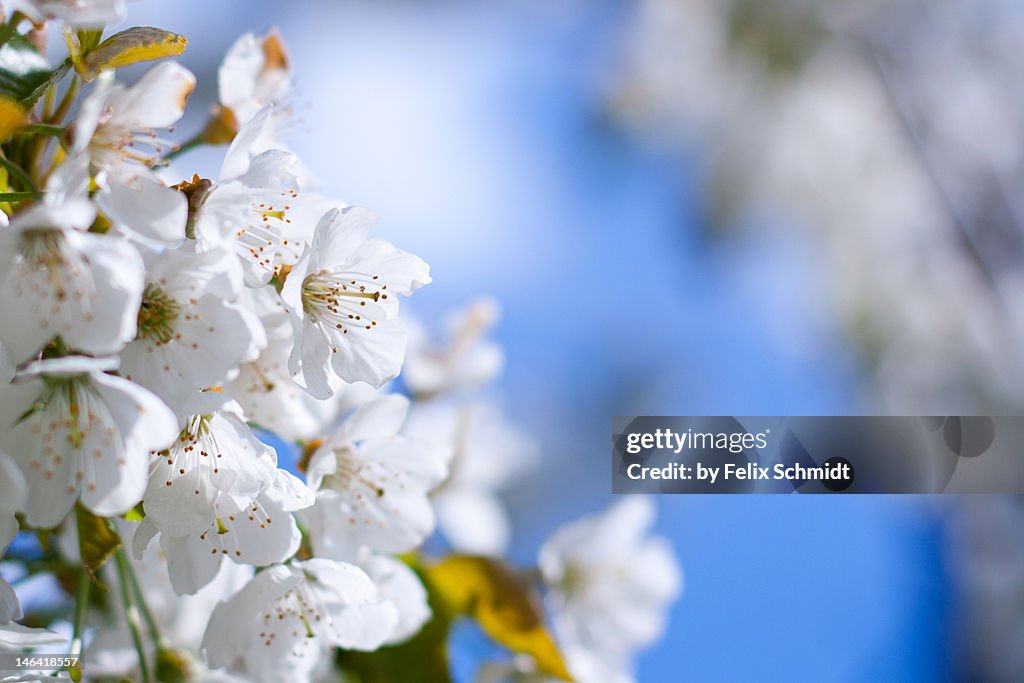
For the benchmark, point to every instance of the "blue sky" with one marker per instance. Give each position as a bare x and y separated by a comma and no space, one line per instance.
477,132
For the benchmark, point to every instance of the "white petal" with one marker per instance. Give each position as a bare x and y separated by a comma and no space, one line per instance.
310,360
289,492
71,215
374,357
12,499
341,233
359,618
144,534
240,151
157,100
399,584
377,419
404,272
10,610
227,633
145,424
190,563
473,521
143,206
19,637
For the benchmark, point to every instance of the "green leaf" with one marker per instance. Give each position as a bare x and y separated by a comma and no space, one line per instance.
421,659
131,46
42,85
22,69
97,539
136,514
502,603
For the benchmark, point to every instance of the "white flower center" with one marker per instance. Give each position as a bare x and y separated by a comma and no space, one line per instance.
114,143
355,478
221,537
298,614
261,238
194,458
338,300
69,421
46,250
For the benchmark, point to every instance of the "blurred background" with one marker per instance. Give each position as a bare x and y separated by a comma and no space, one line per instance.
736,207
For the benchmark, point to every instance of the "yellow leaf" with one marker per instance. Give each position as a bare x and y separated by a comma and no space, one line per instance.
12,117
502,603
97,539
131,46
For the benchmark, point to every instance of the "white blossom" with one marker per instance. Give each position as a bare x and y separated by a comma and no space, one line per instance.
610,581
488,455
268,394
399,584
214,453
114,126
57,280
259,532
288,618
256,72
110,652
249,208
83,433
466,360
372,484
191,333
343,297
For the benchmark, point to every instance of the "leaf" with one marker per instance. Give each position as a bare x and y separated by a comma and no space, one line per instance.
502,603
421,659
131,46
22,69
97,539
44,82
137,513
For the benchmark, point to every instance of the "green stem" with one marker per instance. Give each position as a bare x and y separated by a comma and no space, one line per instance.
19,173
140,600
66,101
131,612
16,196
43,129
184,147
81,607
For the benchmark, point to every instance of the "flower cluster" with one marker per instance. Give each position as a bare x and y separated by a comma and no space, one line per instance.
163,329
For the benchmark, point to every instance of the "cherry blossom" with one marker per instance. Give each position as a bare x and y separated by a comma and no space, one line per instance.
58,280
343,297
611,582
465,361
373,484
288,617
214,453
116,130
85,434
248,210
191,333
